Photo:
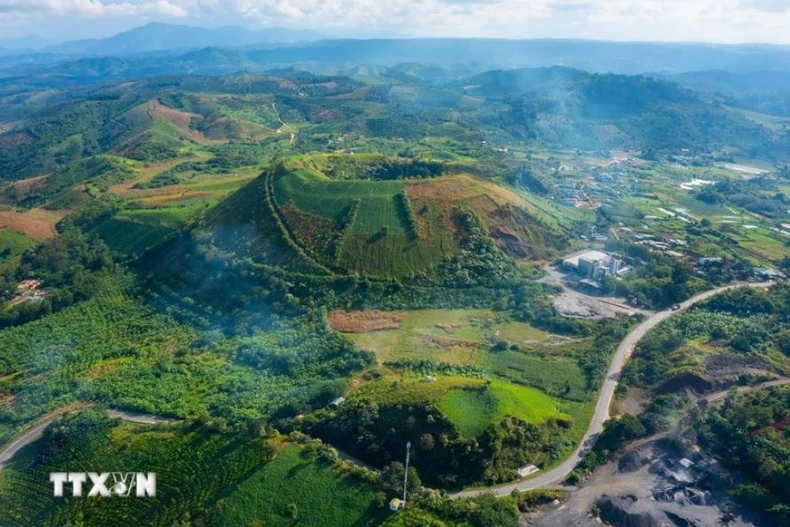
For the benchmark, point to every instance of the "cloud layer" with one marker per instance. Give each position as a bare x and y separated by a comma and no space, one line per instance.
712,20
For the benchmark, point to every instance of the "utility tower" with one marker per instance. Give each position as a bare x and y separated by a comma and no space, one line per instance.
406,473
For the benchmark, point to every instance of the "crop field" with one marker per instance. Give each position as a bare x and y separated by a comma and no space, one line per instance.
555,376
767,244
208,189
520,229
391,255
328,198
474,410
39,224
379,231
382,242
444,335
148,171
167,217
131,237
294,479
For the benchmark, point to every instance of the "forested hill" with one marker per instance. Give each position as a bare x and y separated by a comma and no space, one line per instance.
764,92
150,120
575,108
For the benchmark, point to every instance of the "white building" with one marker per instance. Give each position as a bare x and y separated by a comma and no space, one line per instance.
593,265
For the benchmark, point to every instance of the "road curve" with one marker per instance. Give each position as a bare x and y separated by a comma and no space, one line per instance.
27,438
36,432
624,350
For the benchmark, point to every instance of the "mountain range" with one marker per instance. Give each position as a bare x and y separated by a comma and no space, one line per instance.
158,36
190,50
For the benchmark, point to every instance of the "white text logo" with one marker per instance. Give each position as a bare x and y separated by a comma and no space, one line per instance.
106,484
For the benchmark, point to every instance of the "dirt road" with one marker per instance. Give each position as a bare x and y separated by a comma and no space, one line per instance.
715,397
601,415
142,418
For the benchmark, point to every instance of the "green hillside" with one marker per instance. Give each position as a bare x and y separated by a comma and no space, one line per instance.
380,228
95,173
263,482
319,195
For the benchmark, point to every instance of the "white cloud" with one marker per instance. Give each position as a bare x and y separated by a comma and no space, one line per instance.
167,8
714,20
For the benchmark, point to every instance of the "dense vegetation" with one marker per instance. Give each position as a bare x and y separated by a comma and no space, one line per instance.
749,433
194,467
747,327
189,239
71,267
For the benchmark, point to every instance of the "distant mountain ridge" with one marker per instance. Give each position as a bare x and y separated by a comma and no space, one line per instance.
157,36
231,50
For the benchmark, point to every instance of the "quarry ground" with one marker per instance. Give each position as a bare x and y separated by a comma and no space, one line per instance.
625,491
574,303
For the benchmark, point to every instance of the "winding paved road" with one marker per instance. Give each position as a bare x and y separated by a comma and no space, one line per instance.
37,431
27,438
556,475
547,479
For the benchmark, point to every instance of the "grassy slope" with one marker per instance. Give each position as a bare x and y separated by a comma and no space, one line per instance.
131,237
323,496
12,245
474,410
324,197
193,469
378,243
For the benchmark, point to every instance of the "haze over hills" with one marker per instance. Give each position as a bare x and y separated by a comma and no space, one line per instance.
158,37
181,50
26,43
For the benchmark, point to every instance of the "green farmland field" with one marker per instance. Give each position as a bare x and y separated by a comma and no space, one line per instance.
324,197
131,237
292,478
474,410
378,243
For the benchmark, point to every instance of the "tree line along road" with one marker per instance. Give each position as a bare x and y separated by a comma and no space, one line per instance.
558,474
37,431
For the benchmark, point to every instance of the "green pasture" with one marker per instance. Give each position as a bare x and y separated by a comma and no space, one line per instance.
474,410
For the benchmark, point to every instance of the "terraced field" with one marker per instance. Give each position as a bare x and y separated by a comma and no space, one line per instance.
378,241
322,196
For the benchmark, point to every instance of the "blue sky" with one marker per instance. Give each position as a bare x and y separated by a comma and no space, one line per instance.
676,20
